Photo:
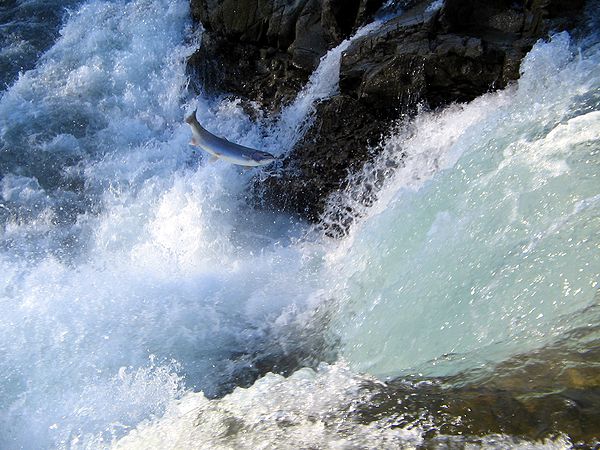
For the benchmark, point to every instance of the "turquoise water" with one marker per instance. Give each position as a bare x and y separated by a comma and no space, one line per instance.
487,238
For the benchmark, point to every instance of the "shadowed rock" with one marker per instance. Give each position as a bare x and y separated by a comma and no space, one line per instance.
265,50
456,54
422,57
336,144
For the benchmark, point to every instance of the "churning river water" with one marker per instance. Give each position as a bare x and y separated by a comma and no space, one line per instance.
138,288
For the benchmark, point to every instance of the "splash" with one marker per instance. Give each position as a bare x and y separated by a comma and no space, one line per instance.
480,242
296,118
133,273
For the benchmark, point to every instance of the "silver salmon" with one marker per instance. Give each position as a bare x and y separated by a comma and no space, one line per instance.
225,150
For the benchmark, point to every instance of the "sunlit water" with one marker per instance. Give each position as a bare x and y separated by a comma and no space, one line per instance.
488,235
133,272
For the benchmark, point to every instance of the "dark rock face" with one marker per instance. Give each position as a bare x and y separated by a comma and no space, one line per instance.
421,57
284,24
336,144
266,76
265,50
468,48
412,60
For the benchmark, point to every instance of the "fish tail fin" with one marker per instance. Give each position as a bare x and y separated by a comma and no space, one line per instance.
192,117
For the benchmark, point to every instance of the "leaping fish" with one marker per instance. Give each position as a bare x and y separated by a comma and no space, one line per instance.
225,150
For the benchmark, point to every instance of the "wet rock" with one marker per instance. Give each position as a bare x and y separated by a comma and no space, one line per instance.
263,75
465,50
265,50
542,394
421,57
335,145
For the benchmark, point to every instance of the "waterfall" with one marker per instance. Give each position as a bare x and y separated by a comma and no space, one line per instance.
144,301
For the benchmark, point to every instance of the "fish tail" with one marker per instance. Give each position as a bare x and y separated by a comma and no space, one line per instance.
192,117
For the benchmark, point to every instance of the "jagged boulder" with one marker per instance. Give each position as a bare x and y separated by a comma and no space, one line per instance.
455,54
283,24
264,50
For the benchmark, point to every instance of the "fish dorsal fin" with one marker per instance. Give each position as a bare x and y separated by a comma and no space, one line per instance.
192,117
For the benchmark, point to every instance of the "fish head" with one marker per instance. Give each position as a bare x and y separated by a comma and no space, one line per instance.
262,158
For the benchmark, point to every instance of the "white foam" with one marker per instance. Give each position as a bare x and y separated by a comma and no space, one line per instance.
295,119
133,272
298,412
309,409
155,256
435,6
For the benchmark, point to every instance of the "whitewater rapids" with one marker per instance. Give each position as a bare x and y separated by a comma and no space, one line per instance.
138,289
